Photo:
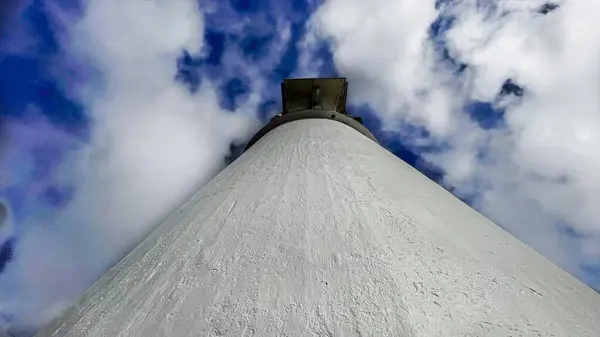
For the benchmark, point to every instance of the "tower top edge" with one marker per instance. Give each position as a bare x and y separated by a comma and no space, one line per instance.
284,118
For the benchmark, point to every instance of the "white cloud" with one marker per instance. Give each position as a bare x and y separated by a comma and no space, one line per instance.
538,176
381,47
153,144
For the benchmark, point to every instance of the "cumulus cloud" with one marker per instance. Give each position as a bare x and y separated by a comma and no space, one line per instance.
550,142
381,48
153,143
535,174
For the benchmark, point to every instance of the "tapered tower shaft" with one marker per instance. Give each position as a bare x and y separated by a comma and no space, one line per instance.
318,230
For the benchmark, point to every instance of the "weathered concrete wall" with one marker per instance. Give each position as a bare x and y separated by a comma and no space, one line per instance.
317,230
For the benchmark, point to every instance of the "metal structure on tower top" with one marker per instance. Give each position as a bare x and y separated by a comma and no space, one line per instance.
307,98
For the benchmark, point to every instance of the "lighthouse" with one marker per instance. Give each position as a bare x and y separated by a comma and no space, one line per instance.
317,230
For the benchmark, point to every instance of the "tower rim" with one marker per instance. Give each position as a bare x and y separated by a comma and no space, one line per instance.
282,119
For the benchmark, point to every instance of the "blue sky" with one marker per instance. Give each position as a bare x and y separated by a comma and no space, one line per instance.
449,87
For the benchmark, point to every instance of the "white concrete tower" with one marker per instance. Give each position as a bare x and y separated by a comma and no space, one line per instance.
316,230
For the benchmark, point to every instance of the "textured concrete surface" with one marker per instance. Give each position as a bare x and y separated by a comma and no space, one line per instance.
318,231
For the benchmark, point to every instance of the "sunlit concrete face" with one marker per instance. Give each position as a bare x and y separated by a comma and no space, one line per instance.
317,230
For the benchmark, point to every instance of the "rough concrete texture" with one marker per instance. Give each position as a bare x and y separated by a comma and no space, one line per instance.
318,231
